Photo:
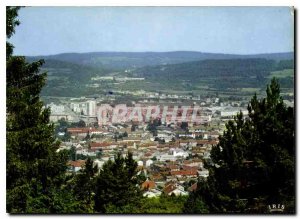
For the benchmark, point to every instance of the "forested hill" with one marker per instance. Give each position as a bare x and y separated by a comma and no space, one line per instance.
121,60
225,73
211,75
211,68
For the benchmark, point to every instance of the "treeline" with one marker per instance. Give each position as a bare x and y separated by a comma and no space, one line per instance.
219,74
68,79
74,72
212,68
285,64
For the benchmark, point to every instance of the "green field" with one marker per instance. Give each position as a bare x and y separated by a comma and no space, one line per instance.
250,89
282,74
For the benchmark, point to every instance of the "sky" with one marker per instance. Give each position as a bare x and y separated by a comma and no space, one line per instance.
231,30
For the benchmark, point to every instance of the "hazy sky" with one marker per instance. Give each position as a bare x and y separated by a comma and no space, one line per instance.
237,30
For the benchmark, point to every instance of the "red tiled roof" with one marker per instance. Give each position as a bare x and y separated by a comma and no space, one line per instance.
157,177
187,161
77,163
169,188
76,129
193,187
148,185
100,144
148,154
184,167
171,166
213,142
82,130
184,172
202,141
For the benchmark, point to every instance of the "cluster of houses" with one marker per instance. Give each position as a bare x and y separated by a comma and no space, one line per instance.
170,156
170,167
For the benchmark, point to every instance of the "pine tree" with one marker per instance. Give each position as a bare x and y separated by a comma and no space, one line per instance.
34,171
116,185
83,187
254,163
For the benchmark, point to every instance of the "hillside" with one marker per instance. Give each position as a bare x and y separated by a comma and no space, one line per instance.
68,79
238,76
226,76
122,60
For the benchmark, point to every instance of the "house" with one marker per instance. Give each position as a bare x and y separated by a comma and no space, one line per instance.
167,157
99,163
102,145
171,179
131,139
189,168
178,192
203,173
148,155
78,147
140,163
86,152
157,178
83,132
193,187
174,189
77,165
152,193
173,167
105,158
148,185
149,163
78,132
179,153
184,173
214,135
193,163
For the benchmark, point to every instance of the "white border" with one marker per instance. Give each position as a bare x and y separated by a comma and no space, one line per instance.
4,3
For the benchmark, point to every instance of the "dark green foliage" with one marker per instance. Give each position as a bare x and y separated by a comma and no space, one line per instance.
287,82
195,205
83,186
117,184
68,79
81,123
125,60
11,20
285,64
74,72
72,153
163,204
11,23
141,178
218,74
152,126
35,173
254,163
184,125
70,74
160,205
231,77
133,127
219,68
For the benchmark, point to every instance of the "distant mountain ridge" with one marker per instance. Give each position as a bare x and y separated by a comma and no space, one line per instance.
123,60
71,74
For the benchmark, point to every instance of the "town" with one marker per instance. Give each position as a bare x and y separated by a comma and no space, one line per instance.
170,152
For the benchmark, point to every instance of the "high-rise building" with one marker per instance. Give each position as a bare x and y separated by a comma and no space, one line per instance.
91,108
